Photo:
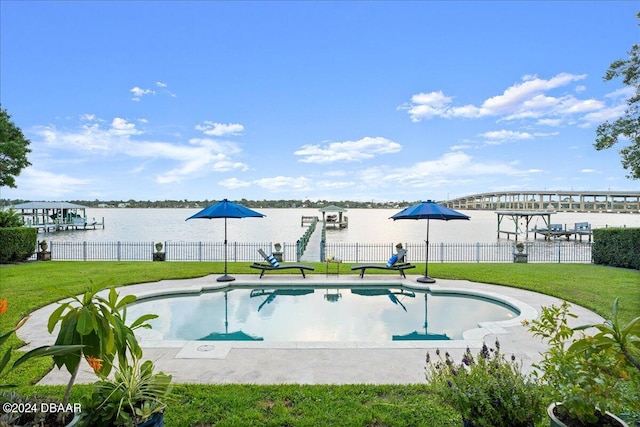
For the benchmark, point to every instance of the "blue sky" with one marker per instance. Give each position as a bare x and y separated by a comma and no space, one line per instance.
329,100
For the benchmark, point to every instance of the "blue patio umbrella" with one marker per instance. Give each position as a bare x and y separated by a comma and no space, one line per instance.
428,210
416,336
225,209
226,335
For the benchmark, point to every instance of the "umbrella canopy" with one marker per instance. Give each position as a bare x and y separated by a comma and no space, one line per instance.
428,210
225,209
420,336
226,335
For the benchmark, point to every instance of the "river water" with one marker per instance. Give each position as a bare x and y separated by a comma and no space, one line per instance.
284,225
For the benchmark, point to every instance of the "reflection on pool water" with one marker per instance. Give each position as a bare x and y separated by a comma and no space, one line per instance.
318,314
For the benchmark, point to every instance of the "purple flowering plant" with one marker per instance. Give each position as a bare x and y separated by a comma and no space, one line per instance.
487,390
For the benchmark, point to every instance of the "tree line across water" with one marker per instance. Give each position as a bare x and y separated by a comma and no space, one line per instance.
254,204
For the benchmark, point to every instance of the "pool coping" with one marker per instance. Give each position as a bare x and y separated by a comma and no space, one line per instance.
316,362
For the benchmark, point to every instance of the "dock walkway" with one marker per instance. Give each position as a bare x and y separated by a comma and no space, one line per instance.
312,253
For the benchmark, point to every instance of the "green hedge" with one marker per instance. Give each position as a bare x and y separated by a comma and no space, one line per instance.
17,244
617,247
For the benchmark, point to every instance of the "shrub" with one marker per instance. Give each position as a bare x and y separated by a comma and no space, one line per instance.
18,244
488,390
617,247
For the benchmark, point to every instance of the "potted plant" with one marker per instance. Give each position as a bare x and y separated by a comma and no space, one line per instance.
43,254
158,255
520,247
134,396
488,390
277,247
586,378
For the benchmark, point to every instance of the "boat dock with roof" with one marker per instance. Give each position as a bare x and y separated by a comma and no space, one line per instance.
332,216
56,216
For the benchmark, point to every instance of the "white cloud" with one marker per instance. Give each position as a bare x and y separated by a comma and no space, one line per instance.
347,151
622,93
501,136
283,183
138,93
220,129
452,168
522,100
334,184
601,116
121,126
233,183
185,161
550,122
588,170
57,184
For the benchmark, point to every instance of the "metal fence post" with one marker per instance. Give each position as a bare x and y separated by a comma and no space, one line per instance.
84,250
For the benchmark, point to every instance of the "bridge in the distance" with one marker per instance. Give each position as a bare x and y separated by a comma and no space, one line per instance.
558,201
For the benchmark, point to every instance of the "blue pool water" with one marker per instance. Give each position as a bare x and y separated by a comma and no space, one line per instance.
318,314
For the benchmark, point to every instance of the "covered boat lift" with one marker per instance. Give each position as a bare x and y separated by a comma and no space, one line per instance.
55,216
332,216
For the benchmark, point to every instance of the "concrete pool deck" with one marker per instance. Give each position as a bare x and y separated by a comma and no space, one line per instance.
263,362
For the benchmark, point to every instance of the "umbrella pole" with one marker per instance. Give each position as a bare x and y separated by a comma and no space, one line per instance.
225,277
226,314
426,278
426,314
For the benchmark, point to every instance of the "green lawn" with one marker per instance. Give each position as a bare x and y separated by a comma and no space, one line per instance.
32,285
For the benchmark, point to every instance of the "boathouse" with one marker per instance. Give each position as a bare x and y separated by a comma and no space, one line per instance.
55,216
332,216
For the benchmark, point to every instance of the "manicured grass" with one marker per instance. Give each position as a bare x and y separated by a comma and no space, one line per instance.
32,285
295,405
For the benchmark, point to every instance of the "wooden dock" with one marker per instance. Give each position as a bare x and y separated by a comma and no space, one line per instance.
548,231
56,216
53,226
556,231
307,220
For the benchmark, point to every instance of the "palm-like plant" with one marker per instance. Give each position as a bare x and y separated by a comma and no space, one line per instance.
98,324
5,359
612,336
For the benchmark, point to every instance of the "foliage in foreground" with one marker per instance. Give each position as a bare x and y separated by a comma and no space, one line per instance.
487,390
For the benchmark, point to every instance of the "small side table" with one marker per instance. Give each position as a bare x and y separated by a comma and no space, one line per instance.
337,263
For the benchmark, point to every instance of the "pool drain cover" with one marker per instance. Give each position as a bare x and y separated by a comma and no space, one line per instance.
208,347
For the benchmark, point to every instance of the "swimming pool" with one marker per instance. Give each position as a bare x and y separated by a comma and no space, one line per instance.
304,313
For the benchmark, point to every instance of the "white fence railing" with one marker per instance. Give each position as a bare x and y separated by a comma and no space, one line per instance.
540,252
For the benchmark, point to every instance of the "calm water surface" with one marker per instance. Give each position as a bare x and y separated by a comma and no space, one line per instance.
283,225
309,314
